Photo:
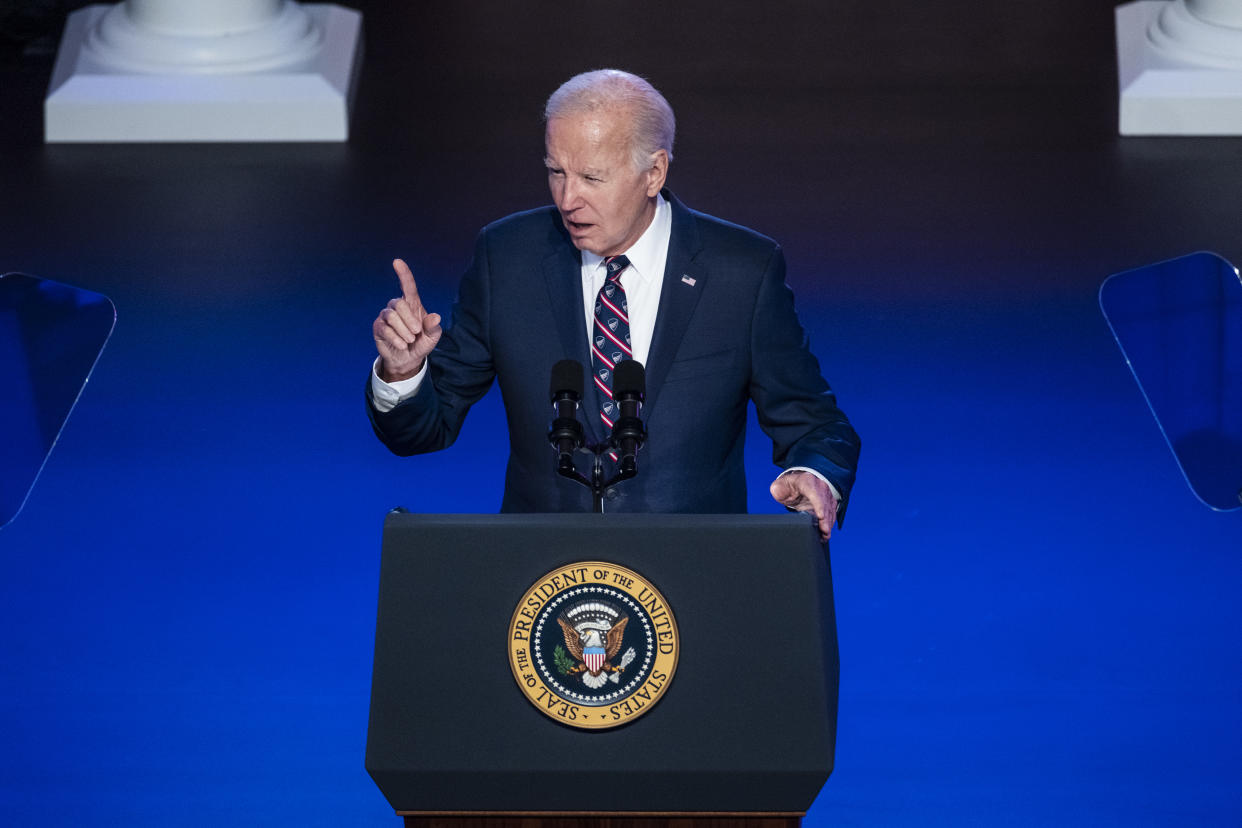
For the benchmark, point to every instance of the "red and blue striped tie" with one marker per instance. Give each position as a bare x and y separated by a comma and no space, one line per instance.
610,338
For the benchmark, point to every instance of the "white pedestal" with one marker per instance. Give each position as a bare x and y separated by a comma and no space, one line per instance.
289,79
1180,67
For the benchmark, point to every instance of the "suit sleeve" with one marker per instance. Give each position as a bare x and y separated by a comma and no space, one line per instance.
795,405
460,373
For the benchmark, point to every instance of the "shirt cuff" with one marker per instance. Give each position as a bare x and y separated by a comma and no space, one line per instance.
386,396
827,482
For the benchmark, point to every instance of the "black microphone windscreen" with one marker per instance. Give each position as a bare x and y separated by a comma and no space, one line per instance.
566,376
629,377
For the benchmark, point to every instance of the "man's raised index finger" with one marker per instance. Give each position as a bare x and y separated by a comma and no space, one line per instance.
409,290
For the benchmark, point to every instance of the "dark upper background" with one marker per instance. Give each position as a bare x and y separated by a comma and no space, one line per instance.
1037,618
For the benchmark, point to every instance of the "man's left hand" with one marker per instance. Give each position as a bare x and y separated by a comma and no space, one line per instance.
805,492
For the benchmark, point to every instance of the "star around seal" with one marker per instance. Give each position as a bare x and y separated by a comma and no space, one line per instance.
593,645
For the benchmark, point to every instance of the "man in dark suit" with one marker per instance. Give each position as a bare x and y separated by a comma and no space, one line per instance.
619,268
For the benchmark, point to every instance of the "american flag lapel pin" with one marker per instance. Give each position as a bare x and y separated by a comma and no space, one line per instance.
688,279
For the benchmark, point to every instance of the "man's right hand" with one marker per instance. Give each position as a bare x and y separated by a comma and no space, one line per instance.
405,333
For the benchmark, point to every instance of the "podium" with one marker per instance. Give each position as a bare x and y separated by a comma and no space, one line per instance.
739,732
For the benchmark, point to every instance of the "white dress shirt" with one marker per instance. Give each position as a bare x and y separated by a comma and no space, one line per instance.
642,280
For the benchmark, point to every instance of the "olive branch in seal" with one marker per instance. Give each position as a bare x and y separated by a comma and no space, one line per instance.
564,664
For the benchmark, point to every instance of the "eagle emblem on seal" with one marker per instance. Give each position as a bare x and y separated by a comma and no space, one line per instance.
594,632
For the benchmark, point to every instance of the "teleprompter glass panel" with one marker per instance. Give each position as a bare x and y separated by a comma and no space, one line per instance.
1179,325
51,334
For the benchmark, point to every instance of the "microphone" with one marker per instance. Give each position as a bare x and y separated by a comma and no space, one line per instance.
629,388
565,433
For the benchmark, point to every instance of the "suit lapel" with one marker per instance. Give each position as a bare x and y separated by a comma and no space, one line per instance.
684,280
562,273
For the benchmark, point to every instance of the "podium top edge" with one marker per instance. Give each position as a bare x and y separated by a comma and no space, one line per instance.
662,520
613,814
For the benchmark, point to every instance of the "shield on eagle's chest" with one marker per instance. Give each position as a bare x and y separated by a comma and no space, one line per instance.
594,658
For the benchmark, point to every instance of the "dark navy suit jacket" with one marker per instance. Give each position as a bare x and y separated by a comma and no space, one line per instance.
725,334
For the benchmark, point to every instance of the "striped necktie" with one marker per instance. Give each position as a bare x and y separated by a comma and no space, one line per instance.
610,337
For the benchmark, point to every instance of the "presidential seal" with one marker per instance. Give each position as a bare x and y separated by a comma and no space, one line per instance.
593,645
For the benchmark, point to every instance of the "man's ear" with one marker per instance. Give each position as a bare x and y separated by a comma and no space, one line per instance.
657,173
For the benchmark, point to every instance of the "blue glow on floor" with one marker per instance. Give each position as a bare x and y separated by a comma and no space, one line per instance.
1038,621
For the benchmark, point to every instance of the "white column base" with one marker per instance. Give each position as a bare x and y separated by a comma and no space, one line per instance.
1170,86
99,100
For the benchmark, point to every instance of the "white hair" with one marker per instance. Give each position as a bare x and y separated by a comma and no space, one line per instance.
652,125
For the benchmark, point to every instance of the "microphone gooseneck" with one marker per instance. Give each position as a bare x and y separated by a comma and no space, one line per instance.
565,433
629,389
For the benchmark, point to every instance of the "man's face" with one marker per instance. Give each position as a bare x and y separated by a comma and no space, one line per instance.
605,202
